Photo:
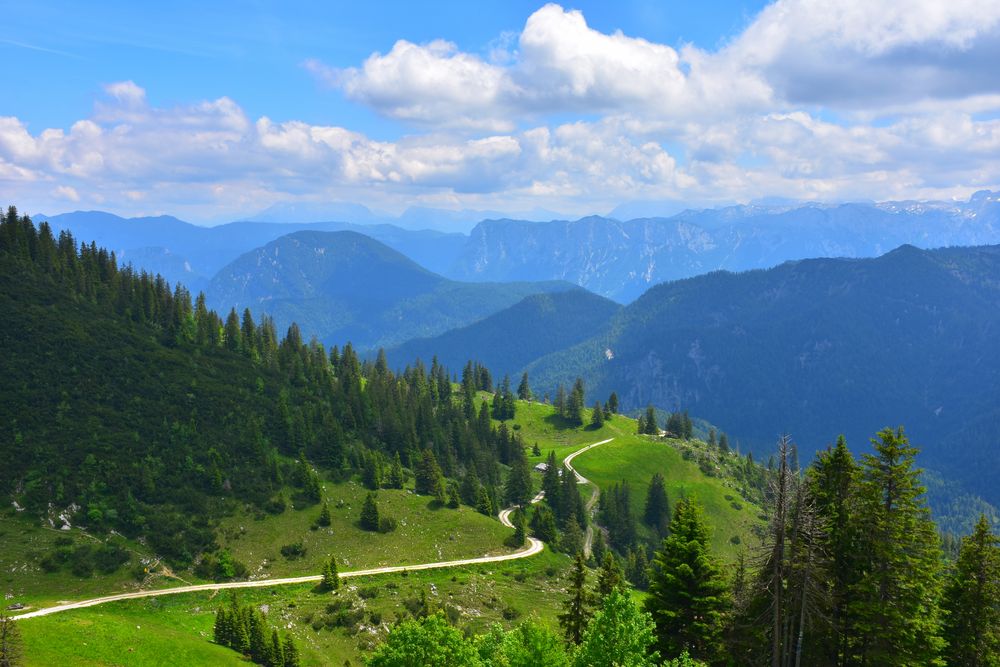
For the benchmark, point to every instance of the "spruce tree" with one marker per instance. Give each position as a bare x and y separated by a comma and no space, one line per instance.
657,511
972,601
597,416
550,479
276,654
610,577
369,513
518,487
688,596
331,577
613,403
577,610
517,518
894,603
291,652
523,389
324,516
395,478
652,428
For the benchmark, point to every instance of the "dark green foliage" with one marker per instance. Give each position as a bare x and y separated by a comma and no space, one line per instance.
517,518
324,518
597,416
972,601
656,514
577,608
369,519
894,602
429,480
11,645
247,631
543,524
615,513
524,389
613,403
293,551
610,577
503,402
688,596
331,578
518,489
130,402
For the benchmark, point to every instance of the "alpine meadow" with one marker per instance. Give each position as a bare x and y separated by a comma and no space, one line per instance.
491,334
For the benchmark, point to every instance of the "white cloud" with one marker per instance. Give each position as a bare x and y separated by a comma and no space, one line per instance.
854,99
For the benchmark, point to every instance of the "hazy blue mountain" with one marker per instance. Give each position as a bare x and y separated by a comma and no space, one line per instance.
345,286
817,347
509,340
191,254
622,259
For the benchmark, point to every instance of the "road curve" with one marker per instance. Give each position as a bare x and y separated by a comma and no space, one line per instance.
588,538
533,547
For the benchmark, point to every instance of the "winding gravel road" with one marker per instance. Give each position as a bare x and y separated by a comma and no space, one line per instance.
533,547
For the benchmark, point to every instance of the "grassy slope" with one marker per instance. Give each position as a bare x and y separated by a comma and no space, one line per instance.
424,534
181,625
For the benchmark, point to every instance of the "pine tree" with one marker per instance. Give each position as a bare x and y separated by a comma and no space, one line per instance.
518,487
724,443
517,518
543,524
276,654
972,601
657,511
560,401
599,548
429,480
484,504
610,577
597,416
396,478
550,479
577,607
523,389
369,513
571,539
220,629
574,404
652,428
331,577
324,516
291,652
687,594
894,603
613,403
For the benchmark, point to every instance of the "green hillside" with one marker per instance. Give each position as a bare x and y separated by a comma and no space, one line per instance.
509,340
344,286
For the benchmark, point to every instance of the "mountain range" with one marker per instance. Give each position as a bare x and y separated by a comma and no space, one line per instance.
618,259
345,286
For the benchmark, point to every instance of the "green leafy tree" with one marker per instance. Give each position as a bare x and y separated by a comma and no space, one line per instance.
972,601
527,645
369,513
688,596
894,603
577,607
620,635
424,642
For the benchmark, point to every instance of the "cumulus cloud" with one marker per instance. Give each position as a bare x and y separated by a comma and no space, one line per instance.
854,99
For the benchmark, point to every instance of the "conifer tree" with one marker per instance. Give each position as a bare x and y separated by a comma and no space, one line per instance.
517,518
571,539
523,389
518,487
324,516
652,428
597,416
290,652
560,401
550,479
610,576
369,513
894,603
577,610
484,504
688,596
613,403
331,577
656,514
543,524
972,601
599,548
429,480
396,478
724,443
276,654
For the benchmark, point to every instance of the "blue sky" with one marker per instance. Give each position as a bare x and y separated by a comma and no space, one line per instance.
213,111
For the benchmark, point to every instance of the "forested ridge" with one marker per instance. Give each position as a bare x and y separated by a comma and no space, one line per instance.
128,405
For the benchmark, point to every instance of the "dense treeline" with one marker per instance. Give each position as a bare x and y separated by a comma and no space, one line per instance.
128,405
246,629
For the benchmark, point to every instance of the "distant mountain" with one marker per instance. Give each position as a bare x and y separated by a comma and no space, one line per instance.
816,348
509,340
183,252
622,259
344,286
